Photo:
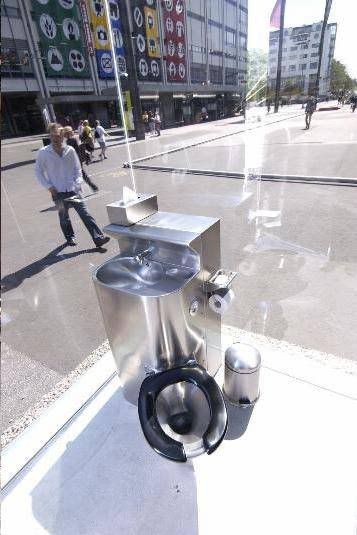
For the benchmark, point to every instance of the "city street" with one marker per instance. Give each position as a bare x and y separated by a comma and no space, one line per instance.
293,245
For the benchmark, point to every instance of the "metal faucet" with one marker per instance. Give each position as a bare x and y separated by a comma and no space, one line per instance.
140,257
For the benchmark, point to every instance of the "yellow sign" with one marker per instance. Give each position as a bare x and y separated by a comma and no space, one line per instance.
129,121
152,32
99,24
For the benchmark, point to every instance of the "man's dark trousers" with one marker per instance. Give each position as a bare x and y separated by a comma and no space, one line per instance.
63,206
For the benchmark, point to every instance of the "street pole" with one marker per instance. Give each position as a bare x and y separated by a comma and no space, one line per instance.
280,53
131,81
321,45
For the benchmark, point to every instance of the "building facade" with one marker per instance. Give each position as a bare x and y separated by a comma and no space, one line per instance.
301,57
57,62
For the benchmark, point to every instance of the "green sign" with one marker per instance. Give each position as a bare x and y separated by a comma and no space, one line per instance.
61,38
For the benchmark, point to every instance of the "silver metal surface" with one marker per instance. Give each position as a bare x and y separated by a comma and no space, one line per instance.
184,399
140,257
129,213
241,374
242,358
223,278
146,294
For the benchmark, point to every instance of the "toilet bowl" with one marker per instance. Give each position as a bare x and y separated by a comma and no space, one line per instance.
182,412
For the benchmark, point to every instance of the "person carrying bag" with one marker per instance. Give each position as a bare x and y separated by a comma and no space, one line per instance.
87,138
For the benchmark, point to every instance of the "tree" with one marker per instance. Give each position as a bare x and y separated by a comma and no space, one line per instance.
340,79
257,73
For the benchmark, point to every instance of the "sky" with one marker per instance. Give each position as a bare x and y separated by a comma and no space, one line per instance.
299,12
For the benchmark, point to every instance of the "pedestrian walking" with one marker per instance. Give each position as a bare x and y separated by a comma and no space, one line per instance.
204,113
353,101
59,171
68,135
268,103
151,123
310,107
80,129
87,138
145,118
157,120
99,134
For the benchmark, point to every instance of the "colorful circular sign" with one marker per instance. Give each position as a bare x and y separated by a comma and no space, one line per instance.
117,38
106,63
114,10
155,71
48,26
121,63
70,29
140,43
143,68
138,17
76,60
101,34
98,7
172,69
55,59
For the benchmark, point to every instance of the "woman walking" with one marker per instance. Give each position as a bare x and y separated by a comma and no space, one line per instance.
87,138
68,135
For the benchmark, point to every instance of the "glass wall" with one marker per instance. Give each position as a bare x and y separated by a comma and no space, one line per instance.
281,189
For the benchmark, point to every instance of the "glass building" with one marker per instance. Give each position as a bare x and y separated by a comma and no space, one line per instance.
57,63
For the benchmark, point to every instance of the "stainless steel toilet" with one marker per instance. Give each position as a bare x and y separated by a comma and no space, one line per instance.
165,338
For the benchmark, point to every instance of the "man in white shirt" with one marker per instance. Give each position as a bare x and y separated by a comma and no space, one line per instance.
59,171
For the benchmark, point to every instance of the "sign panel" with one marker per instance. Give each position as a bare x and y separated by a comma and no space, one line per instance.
86,26
101,36
117,31
61,38
146,40
152,32
175,40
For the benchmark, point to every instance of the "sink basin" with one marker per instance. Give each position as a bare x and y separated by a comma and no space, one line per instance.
148,277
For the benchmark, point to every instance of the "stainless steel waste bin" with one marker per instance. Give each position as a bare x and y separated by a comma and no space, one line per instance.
241,374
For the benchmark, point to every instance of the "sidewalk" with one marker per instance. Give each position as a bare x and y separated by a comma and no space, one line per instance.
16,153
38,137
288,467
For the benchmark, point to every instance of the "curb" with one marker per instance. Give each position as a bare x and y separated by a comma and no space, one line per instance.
332,181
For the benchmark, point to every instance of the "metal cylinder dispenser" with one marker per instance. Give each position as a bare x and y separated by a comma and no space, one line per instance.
241,374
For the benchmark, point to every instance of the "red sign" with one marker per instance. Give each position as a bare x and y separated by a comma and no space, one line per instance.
86,26
175,39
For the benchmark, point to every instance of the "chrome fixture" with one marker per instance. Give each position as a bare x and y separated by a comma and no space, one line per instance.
165,337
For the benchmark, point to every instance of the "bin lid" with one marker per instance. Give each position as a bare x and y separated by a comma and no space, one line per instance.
242,358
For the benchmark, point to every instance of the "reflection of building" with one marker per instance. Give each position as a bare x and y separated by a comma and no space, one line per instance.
301,57
56,59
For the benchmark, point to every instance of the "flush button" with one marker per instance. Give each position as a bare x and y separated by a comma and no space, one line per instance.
194,306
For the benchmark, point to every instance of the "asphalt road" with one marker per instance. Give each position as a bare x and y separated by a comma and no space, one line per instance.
293,245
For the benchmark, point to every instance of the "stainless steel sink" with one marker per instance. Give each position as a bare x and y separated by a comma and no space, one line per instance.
147,277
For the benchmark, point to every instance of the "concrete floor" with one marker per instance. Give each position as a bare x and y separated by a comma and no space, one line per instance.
288,466
292,244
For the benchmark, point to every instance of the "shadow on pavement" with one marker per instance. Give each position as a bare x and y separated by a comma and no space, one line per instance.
108,480
17,164
49,209
13,280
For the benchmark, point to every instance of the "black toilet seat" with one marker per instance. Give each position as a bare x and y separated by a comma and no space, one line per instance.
154,434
